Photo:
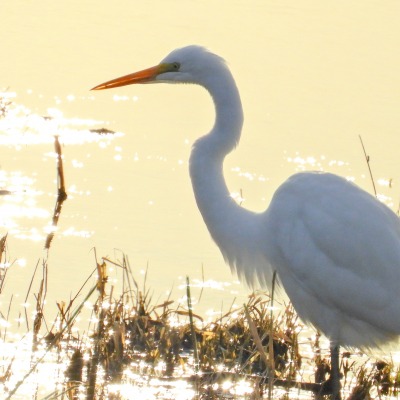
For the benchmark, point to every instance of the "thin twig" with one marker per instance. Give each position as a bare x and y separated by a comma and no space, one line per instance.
192,329
271,342
367,159
61,193
27,294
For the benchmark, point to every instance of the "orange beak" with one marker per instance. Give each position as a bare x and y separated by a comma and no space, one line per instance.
145,76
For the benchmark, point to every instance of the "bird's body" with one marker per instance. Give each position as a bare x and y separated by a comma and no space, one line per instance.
334,247
337,253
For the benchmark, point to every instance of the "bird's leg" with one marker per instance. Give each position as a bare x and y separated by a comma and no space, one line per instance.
335,372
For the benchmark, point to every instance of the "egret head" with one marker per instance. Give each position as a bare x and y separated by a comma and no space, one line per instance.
190,64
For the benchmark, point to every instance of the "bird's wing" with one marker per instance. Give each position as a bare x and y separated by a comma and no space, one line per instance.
338,244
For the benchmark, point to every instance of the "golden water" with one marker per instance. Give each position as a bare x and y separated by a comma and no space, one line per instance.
312,75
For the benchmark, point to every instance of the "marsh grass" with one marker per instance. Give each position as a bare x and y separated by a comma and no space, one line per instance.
130,335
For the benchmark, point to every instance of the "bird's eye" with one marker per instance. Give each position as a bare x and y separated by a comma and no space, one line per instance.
176,66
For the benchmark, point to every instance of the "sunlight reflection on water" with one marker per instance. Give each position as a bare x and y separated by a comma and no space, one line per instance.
139,380
21,127
20,202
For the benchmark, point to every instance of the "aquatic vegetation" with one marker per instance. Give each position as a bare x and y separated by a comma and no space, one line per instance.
134,345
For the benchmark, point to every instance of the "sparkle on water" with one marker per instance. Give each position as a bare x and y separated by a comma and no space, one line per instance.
138,378
21,127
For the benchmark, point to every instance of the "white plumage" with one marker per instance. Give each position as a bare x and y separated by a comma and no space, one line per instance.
337,253
335,248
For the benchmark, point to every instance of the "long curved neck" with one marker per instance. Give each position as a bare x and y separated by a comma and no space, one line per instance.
230,225
206,160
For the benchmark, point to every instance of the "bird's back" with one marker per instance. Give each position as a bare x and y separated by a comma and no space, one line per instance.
336,250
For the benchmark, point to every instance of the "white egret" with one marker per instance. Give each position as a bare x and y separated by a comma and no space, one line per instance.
334,247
